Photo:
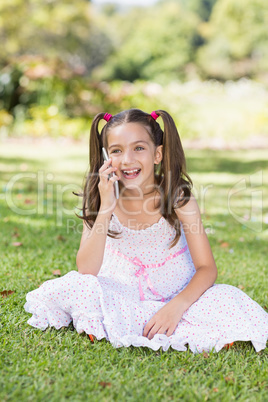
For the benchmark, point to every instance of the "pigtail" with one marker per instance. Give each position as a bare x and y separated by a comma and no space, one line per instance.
91,196
175,182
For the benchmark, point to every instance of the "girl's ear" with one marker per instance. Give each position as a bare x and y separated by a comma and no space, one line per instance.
158,154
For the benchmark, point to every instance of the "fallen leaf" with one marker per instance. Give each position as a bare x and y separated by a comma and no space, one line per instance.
28,201
91,337
61,238
224,244
215,389
228,379
205,354
241,287
17,244
6,293
105,384
56,272
228,345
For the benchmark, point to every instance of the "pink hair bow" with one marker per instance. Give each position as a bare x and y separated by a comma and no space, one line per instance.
154,115
107,116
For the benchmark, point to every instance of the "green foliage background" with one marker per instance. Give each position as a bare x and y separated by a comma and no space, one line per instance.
62,62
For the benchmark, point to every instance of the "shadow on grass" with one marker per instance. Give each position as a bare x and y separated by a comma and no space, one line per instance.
218,162
26,166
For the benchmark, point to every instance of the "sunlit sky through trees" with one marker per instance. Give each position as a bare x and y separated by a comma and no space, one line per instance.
126,2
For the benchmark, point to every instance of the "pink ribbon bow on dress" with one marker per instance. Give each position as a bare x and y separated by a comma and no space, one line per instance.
142,272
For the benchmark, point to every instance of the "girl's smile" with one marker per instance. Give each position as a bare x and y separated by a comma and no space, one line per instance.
134,154
131,174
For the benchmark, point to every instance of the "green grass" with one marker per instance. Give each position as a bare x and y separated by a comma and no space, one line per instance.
63,365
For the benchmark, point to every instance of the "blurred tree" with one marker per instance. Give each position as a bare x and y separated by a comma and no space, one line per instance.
46,46
110,9
237,40
157,44
64,29
202,8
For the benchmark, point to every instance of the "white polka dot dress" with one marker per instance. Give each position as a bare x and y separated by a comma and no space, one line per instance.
139,275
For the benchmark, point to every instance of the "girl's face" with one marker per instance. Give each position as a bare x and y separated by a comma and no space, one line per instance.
134,154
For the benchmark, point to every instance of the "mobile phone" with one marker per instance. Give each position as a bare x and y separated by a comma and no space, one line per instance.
116,185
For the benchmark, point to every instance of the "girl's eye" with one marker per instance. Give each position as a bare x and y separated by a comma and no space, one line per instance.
116,151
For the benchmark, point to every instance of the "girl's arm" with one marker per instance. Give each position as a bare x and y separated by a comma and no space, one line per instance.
206,270
90,254
168,317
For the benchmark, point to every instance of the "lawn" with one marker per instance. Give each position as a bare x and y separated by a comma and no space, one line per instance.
40,234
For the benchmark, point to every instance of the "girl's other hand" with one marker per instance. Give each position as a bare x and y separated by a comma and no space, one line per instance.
106,186
164,321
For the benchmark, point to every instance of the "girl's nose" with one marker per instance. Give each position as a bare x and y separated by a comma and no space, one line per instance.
127,157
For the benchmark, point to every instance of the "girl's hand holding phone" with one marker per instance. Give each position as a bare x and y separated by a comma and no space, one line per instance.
106,186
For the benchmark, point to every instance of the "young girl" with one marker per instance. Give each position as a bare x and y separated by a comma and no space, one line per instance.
146,272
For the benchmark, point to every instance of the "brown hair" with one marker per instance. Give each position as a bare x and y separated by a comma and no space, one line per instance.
171,177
